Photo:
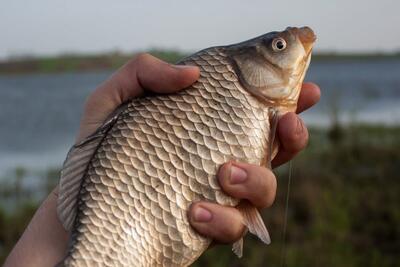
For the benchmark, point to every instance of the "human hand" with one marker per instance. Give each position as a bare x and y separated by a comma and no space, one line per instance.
225,224
258,184
260,187
144,72
45,241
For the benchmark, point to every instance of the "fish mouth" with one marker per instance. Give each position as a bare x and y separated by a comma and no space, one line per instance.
306,36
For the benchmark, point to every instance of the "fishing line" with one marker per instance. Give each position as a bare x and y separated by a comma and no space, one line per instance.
283,249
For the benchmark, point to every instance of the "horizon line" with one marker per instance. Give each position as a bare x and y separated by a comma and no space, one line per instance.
317,53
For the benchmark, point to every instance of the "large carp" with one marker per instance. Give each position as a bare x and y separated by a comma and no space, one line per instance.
125,190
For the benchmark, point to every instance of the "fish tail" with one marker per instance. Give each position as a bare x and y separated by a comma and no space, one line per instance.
254,223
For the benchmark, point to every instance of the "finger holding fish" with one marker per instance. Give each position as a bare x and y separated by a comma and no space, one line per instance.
240,180
250,182
291,130
293,138
223,224
309,96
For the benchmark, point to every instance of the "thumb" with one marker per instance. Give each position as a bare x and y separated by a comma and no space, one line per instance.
160,77
145,72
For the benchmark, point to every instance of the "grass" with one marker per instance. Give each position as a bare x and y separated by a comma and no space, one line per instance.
343,209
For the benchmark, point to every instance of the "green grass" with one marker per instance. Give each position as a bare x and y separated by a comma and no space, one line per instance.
343,209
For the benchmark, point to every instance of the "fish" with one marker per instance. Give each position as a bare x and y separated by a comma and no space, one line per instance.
125,190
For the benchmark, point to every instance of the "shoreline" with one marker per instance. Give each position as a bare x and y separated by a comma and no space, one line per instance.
114,60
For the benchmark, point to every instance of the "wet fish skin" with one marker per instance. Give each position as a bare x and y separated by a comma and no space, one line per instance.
141,171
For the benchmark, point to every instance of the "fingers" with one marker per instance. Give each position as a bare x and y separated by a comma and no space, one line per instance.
144,72
309,96
293,137
240,180
160,77
291,131
254,183
246,181
223,224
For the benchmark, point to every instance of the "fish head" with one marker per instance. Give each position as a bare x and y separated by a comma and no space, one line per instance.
272,66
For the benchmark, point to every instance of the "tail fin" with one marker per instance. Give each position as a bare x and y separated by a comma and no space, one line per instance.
254,223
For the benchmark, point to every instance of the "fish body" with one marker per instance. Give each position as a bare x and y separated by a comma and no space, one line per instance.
126,189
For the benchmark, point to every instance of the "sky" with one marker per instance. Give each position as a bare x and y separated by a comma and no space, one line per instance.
50,27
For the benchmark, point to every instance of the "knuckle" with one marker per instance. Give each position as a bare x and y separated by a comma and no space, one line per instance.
141,58
299,137
305,136
266,187
302,141
231,233
269,198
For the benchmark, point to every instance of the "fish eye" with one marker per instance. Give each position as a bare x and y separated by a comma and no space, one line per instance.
278,44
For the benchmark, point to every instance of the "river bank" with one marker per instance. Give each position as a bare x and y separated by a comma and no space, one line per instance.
113,60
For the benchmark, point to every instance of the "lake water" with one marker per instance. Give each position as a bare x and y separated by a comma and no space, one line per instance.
39,113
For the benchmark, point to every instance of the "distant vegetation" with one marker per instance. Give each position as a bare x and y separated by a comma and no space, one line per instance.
76,62
110,61
332,56
343,208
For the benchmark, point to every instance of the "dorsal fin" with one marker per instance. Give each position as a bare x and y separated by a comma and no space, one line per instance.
74,169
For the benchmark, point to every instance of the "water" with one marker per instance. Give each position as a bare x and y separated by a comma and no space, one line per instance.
39,113
361,91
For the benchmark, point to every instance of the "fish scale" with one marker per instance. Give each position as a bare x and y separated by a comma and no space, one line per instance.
165,238
126,189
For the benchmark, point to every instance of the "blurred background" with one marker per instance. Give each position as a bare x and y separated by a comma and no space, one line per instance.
345,192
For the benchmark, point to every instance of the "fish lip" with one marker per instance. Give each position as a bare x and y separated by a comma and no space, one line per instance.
306,36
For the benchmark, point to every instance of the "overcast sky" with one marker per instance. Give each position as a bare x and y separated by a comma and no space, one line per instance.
48,27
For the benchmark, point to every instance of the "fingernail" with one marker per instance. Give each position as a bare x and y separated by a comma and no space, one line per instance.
202,215
237,175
